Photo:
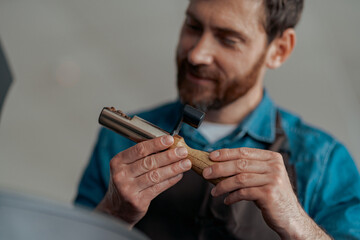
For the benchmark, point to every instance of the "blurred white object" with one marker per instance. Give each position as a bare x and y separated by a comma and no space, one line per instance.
26,217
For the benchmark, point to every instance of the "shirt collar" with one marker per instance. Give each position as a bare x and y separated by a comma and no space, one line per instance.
260,124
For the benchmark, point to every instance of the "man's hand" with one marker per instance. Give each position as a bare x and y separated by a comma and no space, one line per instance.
260,176
139,174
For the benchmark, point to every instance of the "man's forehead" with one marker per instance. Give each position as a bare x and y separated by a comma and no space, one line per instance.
238,14
240,6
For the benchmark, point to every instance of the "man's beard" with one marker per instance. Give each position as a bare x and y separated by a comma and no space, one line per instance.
221,92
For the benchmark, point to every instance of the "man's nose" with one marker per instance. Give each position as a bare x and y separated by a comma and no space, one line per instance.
202,51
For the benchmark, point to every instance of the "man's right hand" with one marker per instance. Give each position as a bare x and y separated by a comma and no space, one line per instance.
139,174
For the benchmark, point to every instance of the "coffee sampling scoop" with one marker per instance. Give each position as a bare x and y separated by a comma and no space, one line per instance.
138,130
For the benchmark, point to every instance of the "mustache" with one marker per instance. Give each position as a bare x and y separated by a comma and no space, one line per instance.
202,71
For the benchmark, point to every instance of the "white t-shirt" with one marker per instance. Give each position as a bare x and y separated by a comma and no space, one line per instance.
216,131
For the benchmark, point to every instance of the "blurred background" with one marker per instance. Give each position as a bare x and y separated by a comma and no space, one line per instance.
70,58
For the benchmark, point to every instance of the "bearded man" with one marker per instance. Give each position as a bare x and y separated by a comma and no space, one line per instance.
283,178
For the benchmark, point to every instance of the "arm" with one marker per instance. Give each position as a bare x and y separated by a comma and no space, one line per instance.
335,204
260,176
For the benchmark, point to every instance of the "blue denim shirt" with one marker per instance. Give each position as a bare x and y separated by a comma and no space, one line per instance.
328,182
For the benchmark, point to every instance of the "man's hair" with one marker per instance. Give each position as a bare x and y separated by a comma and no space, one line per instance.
281,15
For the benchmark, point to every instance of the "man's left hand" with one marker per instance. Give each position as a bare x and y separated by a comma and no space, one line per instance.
260,176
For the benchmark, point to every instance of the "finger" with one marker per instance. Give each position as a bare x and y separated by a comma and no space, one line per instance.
243,153
150,193
157,160
230,168
161,174
145,148
248,194
239,181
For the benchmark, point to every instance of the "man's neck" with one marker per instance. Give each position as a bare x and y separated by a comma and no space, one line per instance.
235,112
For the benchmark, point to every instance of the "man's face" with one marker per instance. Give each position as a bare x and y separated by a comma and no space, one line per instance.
221,51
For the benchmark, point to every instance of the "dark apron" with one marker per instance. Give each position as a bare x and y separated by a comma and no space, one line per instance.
188,211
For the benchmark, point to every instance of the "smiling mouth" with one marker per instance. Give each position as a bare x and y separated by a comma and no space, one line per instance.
198,80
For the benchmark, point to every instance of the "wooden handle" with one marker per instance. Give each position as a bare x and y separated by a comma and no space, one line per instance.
199,159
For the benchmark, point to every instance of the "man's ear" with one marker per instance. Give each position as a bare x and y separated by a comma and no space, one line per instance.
281,48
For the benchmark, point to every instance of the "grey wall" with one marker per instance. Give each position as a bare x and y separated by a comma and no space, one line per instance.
72,57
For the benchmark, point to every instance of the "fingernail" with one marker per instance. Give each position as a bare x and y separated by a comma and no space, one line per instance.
215,154
167,140
181,152
207,172
226,201
213,191
185,164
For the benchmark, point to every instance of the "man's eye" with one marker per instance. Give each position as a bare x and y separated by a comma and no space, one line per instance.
192,25
229,41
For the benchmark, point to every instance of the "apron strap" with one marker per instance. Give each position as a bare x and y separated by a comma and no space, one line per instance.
281,145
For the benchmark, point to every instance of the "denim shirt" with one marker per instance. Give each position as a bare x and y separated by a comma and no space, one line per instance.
328,182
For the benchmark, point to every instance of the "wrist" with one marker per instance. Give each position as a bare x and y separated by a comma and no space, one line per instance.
107,206
303,227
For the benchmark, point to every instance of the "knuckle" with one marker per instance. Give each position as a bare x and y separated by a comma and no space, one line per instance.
216,168
277,156
156,189
240,178
240,193
154,176
170,154
122,174
140,149
225,153
241,165
125,188
174,168
243,152
278,166
148,163
270,193
277,180
118,177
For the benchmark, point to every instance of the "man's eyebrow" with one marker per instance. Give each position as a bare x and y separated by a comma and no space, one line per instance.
189,14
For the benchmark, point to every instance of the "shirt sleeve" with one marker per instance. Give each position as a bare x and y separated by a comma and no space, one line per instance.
94,182
337,197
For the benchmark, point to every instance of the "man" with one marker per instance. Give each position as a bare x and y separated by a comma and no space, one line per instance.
283,179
